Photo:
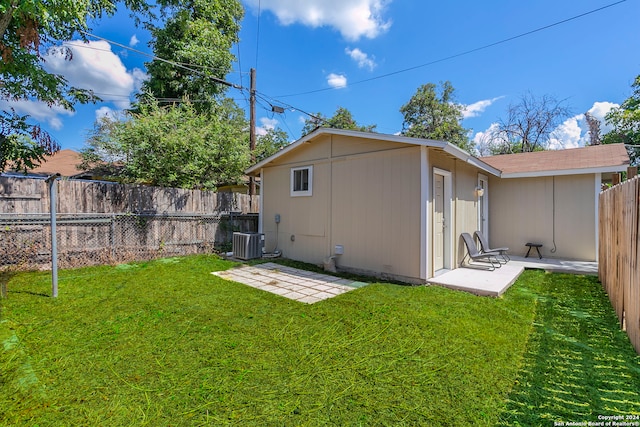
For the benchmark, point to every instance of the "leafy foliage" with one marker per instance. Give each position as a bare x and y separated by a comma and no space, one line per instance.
270,143
433,115
341,119
626,124
22,146
529,125
30,28
175,146
199,33
27,30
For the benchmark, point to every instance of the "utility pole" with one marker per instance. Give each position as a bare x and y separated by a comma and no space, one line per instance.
252,133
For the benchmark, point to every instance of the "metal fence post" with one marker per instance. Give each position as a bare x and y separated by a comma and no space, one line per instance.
51,180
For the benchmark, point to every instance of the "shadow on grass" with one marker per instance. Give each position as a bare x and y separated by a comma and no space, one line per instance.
317,269
578,363
5,279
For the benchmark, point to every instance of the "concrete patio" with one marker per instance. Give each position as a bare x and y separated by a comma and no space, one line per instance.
308,287
299,285
495,283
553,265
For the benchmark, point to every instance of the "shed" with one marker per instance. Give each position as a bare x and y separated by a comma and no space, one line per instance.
392,206
384,205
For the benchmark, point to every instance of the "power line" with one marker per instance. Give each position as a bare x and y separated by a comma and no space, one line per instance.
457,55
179,65
85,46
175,64
258,32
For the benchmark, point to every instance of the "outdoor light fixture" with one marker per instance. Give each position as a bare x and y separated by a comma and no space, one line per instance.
479,192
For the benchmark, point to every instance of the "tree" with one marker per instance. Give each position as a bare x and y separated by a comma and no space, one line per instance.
27,30
594,129
198,34
529,124
270,143
22,146
175,146
626,124
433,115
341,119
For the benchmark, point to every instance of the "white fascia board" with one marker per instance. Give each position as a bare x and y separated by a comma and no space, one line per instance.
482,165
445,146
285,150
344,132
562,172
459,153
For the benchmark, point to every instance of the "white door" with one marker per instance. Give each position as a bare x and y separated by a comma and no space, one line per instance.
438,222
483,205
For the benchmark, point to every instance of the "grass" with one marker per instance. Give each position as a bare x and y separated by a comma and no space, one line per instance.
578,364
167,343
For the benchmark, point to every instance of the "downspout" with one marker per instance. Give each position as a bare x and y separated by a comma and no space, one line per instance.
330,261
424,213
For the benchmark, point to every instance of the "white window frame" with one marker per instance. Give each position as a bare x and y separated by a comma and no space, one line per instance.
300,193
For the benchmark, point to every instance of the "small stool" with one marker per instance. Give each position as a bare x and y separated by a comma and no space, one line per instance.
534,245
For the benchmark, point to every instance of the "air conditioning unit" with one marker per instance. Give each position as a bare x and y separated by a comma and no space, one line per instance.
248,245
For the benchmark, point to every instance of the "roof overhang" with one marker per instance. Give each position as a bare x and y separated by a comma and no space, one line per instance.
537,174
448,148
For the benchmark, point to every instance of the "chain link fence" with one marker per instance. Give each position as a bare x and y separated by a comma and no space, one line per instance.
99,239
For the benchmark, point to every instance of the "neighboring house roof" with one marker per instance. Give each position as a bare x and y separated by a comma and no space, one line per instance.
573,161
447,147
63,162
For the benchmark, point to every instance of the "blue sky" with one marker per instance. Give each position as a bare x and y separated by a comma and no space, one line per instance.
318,55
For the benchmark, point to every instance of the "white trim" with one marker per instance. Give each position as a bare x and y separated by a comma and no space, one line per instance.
560,172
448,215
309,190
261,203
598,182
454,150
425,262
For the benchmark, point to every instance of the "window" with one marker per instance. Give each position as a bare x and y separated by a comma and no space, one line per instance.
301,181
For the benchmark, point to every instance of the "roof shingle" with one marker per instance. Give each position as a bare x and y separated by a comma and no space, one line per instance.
591,157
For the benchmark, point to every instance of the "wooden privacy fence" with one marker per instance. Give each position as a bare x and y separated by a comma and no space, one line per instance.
30,195
107,223
619,253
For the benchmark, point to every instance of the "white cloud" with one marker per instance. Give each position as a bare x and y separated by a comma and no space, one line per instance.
139,77
38,111
482,140
574,132
477,108
363,60
106,112
352,18
94,66
133,41
337,80
568,134
267,124
599,110
91,66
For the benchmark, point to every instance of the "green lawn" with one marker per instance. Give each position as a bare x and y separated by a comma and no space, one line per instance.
167,343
